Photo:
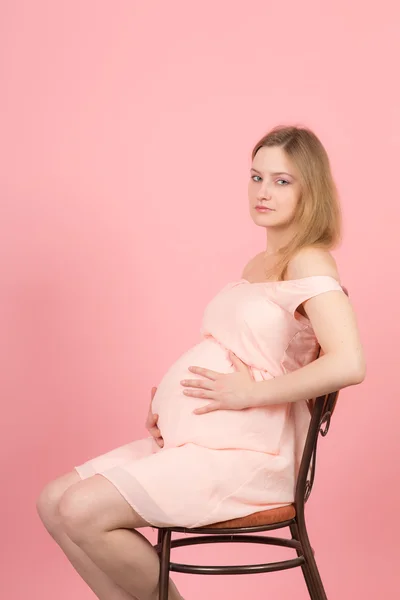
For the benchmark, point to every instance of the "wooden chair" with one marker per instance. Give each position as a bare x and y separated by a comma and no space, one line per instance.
241,530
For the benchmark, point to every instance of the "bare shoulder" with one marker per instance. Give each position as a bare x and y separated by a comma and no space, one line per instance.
312,261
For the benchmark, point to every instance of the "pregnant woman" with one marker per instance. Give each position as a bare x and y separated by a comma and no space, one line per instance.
230,416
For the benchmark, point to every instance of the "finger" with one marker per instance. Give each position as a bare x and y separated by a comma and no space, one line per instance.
238,363
155,432
205,372
151,420
153,392
197,383
160,442
204,394
207,408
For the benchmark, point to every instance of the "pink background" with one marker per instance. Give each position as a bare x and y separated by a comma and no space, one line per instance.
126,131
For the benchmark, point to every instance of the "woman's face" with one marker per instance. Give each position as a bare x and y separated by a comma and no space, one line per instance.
274,184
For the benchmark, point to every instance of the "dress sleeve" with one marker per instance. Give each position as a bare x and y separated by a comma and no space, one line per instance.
301,290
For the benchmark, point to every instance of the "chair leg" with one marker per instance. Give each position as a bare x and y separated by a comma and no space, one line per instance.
164,538
310,570
305,568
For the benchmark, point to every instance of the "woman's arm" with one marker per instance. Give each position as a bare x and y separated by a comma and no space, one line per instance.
342,363
334,322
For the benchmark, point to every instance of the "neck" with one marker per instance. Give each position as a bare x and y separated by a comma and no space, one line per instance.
277,239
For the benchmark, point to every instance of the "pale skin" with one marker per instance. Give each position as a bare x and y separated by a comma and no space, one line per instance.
96,529
90,520
274,183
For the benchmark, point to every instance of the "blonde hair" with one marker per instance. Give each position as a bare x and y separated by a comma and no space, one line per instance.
318,213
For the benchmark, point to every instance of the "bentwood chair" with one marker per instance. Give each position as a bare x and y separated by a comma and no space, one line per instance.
240,530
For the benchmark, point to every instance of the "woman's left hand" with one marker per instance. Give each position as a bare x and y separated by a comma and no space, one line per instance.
227,391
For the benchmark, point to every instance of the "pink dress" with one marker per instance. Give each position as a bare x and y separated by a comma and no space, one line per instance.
224,464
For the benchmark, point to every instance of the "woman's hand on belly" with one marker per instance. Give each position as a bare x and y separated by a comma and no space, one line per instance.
151,422
227,391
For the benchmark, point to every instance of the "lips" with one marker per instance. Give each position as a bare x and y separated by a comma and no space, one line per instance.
264,207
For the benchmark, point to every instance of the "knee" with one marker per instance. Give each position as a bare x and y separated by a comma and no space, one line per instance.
47,506
75,514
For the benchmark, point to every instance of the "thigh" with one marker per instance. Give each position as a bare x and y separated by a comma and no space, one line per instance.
95,504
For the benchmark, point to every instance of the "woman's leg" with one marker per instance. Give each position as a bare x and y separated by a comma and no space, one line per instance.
101,522
48,508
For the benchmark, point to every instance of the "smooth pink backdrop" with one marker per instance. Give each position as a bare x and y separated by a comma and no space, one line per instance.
126,131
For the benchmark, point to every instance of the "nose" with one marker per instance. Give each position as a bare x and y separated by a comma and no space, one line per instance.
264,192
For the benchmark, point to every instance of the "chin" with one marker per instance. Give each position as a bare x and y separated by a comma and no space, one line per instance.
262,222
263,217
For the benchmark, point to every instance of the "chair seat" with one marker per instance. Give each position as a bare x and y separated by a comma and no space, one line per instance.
258,519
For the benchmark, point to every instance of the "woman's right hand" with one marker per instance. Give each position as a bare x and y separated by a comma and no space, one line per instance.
151,422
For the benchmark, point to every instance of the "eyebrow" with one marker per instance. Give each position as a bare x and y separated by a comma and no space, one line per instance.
274,173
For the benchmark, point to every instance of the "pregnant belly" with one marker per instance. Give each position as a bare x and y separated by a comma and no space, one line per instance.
257,429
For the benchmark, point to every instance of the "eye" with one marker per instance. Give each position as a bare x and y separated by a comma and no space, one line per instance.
252,177
284,181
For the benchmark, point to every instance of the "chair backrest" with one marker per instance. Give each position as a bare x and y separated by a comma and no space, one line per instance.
321,410
321,413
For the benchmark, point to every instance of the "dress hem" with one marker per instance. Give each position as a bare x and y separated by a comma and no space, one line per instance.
116,476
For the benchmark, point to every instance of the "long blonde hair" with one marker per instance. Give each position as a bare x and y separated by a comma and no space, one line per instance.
318,213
